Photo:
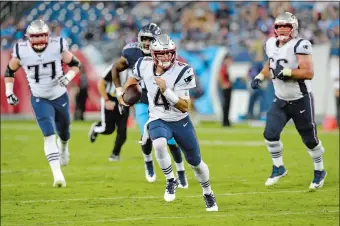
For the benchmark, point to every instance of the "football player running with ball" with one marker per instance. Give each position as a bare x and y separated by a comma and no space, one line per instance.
41,57
130,54
290,66
168,82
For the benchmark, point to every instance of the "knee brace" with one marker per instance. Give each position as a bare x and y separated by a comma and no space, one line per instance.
274,146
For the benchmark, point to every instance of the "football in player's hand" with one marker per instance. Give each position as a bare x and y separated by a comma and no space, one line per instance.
132,94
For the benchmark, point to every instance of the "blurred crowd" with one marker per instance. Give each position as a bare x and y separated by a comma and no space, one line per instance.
193,25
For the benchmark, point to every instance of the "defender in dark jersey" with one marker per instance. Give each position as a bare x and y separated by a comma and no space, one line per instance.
111,115
130,54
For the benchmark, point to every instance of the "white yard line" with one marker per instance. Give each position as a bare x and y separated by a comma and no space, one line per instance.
199,216
107,181
199,129
155,197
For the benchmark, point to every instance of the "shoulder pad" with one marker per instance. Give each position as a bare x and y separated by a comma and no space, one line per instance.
131,45
147,58
303,47
132,54
269,42
16,48
185,79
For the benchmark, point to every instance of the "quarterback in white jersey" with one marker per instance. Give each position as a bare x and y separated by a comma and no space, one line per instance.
168,82
41,57
290,66
130,54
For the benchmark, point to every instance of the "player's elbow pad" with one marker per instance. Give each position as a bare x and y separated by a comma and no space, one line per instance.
9,73
74,63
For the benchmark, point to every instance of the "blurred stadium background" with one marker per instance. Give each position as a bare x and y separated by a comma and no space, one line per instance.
203,31
116,193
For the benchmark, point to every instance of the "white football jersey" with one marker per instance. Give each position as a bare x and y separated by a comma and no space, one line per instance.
179,77
286,56
42,69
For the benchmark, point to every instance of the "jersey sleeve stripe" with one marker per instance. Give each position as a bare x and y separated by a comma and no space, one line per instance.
297,44
17,51
181,74
138,65
61,45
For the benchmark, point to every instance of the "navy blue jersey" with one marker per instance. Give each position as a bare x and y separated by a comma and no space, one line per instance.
132,53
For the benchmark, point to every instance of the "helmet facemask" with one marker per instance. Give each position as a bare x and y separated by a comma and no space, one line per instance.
38,35
163,51
283,31
145,42
164,58
286,26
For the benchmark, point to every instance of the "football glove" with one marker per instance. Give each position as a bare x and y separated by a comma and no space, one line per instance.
282,73
12,100
256,83
65,80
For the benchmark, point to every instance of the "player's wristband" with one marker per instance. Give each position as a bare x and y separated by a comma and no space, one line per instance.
260,76
119,91
287,72
70,75
9,88
171,96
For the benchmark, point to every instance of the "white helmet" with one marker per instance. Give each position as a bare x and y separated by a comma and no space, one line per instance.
162,44
38,28
286,18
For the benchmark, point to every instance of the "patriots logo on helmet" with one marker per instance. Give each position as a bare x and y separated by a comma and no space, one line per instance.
305,46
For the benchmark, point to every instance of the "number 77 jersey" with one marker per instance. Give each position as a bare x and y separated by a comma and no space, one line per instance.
42,69
179,77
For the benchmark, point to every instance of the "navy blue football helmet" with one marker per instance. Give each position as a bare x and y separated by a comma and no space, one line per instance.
145,36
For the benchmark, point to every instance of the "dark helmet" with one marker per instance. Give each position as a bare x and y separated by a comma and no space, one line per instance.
150,31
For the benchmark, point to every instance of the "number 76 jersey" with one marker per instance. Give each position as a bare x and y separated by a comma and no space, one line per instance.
286,57
42,69
179,78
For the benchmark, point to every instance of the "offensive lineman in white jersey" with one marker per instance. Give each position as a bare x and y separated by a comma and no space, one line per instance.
290,66
168,82
41,57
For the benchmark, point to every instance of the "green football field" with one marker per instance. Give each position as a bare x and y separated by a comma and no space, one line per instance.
100,192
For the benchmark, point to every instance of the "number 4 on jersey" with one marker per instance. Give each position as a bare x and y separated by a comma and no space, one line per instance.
160,100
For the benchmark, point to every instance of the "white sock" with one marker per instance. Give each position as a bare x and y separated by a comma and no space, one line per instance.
275,150
163,157
147,158
52,154
202,174
180,166
316,154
